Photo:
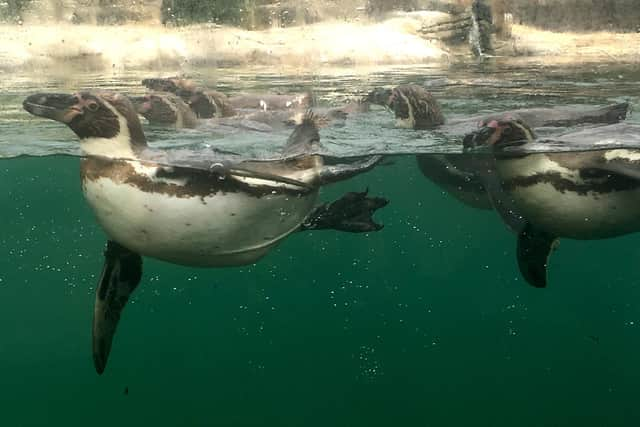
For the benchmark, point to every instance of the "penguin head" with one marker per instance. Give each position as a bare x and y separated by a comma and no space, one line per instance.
181,87
158,108
104,118
499,133
379,96
415,107
209,104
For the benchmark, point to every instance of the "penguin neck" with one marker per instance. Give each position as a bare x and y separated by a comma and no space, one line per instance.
126,144
118,147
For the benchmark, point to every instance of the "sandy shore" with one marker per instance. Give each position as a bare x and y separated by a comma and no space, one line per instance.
563,48
156,46
37,47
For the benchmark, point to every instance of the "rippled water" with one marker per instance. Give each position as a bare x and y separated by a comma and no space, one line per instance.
427,322
461,91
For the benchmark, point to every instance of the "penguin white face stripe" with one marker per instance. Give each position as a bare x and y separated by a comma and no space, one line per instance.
525,130
630,155
410,121
176,113
118,147
218,112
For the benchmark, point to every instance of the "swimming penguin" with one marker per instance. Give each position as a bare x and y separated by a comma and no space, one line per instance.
263,112
581,195
415,107
214,215
205,101
177,85
207,104
165,109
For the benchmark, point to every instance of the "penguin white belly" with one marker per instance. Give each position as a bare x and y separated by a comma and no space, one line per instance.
590,214
223,229
579,216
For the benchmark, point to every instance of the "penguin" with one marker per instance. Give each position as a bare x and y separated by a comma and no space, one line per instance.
263,112
208,103
416,108
218,214
165,109
545,196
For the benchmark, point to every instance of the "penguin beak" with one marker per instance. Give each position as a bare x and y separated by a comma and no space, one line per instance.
55,106
479,138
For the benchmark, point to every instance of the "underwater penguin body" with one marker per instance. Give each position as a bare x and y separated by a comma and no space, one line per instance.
221,215
545,196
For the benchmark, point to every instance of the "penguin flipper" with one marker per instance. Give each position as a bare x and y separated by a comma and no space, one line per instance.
120,276
342,171
533,251
352,213
502,203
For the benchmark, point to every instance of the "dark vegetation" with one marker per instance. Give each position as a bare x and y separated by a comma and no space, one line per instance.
559,15
11,10
233,12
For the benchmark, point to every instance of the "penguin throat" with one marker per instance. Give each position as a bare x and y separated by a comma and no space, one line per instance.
409,121
119,146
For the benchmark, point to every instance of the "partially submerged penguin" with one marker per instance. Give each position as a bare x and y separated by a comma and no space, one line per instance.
207,104
165,109
210,103
415,107
264,112
225,213
581,195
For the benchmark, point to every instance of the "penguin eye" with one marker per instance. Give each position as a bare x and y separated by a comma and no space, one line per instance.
92,106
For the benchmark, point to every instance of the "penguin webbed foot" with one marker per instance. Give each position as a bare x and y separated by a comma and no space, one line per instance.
533,251
120,276
353,213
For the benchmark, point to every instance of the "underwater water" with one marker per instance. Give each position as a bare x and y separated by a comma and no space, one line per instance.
427,322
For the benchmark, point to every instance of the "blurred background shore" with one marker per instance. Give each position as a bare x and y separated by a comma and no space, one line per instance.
108,34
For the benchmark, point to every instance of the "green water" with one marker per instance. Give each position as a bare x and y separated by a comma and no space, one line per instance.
426,323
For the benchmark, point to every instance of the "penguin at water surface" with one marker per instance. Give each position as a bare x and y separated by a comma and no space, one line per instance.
165,109
415,107
584,195
214,215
